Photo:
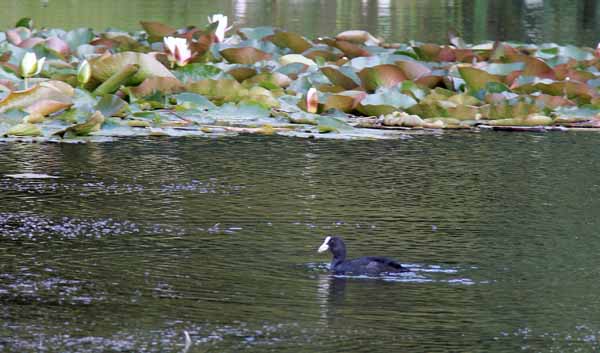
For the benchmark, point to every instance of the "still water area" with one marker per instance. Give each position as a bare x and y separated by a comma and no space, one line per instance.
141,239
575,22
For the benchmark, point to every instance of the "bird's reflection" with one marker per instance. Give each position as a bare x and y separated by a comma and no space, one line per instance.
331,293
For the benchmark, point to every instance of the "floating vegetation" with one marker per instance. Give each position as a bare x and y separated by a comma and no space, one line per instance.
212,80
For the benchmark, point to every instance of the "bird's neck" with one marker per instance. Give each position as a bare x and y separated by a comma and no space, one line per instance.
338,259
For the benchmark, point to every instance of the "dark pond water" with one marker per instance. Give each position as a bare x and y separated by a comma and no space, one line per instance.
141,239
564,21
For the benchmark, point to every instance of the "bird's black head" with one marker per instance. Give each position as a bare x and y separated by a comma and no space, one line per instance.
335,245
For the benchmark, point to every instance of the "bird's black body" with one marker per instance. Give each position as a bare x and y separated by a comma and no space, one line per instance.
368,265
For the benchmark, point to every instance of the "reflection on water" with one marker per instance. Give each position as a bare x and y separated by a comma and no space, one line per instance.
564,21
141,239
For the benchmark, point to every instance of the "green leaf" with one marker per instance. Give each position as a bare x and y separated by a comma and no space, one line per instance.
24,129
196,72
189,101
111,105
327,124
385,102
477,79
256,33
77,37
105,66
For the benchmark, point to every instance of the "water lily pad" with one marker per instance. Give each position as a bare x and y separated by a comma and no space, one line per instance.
46,107
412,69
292,70
105,66
531,120
503,69
359,37
260,96
351,50
242,72
269,80
341,76
188,101
328,124
386,75
196,72
294,41
156,30
92,124
509,110
346,101
246,55
24,129
218,91
152,85
477,79
111,105
256,33
434,52
48,90
325,52
385,103
296,58
78,37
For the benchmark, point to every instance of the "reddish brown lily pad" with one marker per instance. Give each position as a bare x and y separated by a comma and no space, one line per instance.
246,55
294,41
385,75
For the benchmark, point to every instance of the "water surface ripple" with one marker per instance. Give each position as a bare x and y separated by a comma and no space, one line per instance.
140,239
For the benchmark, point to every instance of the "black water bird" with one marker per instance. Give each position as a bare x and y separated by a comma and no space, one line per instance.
368,265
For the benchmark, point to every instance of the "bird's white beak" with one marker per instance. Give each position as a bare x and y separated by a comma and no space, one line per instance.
325,245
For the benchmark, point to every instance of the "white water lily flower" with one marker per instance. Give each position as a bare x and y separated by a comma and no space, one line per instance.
178,49
30,65
84,72
312,100
221,27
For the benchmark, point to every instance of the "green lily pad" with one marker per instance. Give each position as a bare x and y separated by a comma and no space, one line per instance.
77,37
256,33
196,72
327,124
105,66
218,91
187,100
477,79
346,101
341,76
269,80
385,103
92,124
25,129
531,120
111,105
294,41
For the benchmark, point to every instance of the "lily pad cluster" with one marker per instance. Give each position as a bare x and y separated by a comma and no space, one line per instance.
84,85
